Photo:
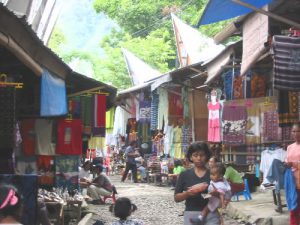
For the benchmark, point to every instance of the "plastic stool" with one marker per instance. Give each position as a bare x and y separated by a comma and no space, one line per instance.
245,192
113,197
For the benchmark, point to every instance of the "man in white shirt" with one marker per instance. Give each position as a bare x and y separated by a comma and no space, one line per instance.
84,174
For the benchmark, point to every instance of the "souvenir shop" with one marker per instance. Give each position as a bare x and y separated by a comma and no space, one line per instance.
41,131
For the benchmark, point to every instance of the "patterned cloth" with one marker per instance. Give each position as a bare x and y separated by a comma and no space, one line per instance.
7,116
227,78
163,107
288,108
286,62
271,130
45,166
67,171
235,120
253,124
186,138
99,113
286,133
144,111
154,110
251,158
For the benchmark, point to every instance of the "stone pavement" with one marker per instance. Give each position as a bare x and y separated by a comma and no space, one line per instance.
259,210
156,206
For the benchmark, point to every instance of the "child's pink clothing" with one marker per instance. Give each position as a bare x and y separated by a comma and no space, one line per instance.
223,187
214,134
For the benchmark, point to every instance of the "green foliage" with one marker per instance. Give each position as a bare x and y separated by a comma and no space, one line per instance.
57,39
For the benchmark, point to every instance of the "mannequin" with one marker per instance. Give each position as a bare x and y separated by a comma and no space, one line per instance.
214,123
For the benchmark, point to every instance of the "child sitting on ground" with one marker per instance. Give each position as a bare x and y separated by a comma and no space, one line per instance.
217,184
123,209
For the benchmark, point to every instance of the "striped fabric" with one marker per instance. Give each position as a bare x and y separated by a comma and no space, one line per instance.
286,63
154,110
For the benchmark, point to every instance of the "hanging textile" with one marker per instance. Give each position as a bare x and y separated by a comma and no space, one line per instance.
214,124
67,171
235,121
175,104
185,102
26,165
144,111
53,95
43,131
251,151
258,86
168,139
96,143
74,107
288,108
154,110
109,119
99,113
120,121
7,116
186,138
69,137
86,113
286,133
162,117
45,165
28,188
227,79
28,136
286,63
176,149
238,88
253,123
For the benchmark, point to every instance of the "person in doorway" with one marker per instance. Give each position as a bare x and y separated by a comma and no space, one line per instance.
293,161
100,186
131,154
233,177
10,205
123,209
192,183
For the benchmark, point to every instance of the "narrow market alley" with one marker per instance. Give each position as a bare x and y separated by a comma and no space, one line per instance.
155,205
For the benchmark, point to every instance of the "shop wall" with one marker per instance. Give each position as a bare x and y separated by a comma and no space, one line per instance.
200,115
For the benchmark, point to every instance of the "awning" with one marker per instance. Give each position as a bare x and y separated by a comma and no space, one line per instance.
158,82
218,10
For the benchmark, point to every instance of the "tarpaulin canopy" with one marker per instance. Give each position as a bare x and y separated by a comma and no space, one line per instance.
218,10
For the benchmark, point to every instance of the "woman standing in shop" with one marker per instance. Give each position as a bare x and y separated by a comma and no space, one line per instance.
192,183
293,160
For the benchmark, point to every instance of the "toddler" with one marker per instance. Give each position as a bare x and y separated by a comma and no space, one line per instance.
123,209
217,184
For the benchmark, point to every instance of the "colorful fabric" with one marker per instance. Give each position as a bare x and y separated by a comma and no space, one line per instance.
168,139
154,110
27,186
110,116
7,116
186,138
287,108
251,157
26,165
86,113
271,129
214,123
69,137
227,79
144,111
286,133
28,136
99,113
43,137
163,108
235,121
175,104
67,172
53,95
177,138
45,166
238,91
286,62
253,124
258,86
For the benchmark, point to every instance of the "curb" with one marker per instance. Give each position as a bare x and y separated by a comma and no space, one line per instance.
85,219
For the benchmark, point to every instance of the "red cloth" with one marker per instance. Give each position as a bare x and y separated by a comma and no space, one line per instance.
235,187
175,104
99,115
45,166
28,136
69,137
295,214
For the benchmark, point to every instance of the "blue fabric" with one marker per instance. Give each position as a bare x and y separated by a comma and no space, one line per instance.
276,173
228,83
290,190
53,95
218,10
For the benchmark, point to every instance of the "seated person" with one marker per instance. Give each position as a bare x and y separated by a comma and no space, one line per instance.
217,184
84,174
178,168
100,186
140,167
234,178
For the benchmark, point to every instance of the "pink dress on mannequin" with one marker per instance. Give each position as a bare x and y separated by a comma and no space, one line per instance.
214,134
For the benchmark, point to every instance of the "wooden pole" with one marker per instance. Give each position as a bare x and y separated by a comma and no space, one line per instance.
269,14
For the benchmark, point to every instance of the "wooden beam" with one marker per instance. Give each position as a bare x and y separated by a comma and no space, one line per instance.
269,14
86,91
196,70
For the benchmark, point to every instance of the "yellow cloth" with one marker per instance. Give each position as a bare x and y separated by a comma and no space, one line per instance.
96,142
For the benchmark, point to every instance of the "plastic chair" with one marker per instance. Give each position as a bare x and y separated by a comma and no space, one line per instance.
113,198
245,192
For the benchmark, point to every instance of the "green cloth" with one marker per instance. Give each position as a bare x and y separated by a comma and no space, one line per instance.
178,169
110,117
233,176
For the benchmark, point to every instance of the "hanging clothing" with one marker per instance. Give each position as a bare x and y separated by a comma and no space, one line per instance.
288,108
74,107
214,123
69,137
120,121
177,152
86,113
286,62
109,119
175,104
258,86
154,110
163,108
28,136
235,121
43,131
238,88
144,111
168,139
186,138
7,116
45,165
291,194
227,79
185,102
99,113
53,95
267,157
253,124
251,157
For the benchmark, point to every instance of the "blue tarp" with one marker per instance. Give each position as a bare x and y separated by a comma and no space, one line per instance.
218,10
53,95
